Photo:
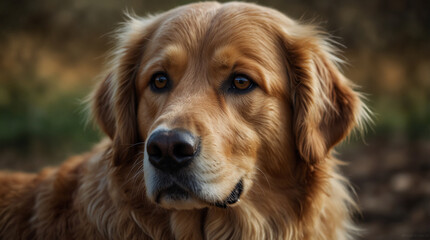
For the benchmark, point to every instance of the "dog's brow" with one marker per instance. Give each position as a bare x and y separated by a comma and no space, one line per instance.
171,58
225,56
229,58
175,57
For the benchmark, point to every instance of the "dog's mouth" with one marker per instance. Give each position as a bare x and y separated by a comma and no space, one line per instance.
233,197
177,193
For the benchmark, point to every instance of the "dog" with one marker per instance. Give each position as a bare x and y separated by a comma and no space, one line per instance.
221,121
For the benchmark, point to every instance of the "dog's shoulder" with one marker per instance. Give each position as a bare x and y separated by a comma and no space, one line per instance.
31,202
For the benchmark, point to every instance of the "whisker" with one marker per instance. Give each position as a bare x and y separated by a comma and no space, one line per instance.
136,144
267,180
139,165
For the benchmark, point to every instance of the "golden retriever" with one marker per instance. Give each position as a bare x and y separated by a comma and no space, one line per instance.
221,121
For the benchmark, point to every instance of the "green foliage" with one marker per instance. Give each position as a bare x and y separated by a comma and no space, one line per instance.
37,118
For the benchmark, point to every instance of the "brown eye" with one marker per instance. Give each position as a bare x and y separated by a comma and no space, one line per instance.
241,82
159,81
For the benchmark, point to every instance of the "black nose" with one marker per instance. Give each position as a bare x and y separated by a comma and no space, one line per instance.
171,150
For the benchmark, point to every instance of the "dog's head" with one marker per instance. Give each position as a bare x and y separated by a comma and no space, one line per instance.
222,95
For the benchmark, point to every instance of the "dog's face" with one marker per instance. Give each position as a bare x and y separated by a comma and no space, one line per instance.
221,95
206,94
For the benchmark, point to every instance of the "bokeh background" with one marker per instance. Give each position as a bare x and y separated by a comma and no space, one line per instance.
51,53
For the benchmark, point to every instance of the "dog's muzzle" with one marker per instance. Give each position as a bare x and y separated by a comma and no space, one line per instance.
171,175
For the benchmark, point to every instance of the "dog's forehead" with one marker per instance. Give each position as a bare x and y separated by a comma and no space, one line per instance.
213,34
201,28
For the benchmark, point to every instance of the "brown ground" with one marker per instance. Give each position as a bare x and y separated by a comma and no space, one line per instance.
392,181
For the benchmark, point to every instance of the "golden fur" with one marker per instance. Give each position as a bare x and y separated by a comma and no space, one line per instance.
277,138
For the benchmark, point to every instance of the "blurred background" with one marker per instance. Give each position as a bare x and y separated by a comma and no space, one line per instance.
51,53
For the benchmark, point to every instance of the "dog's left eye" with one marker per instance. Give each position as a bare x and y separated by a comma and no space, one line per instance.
241,83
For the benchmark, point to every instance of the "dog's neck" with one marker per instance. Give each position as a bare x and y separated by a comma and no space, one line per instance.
272,212
254,217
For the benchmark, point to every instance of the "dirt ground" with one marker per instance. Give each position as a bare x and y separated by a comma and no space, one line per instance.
392,182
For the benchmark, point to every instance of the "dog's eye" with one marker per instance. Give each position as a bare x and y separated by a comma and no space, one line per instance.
159,81
241,83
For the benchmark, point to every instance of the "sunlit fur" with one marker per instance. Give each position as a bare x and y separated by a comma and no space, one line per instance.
277,137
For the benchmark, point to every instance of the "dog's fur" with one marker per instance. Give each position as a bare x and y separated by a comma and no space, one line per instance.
276,138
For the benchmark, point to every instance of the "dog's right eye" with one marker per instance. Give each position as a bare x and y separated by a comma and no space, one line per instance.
159,81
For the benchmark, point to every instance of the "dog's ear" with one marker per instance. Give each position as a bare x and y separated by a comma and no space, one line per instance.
325,107
102,106
114,102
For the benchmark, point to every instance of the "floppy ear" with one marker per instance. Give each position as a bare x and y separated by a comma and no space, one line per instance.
114,101
325,106
102,107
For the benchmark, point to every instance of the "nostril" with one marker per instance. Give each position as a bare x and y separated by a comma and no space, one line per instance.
183,150
154,150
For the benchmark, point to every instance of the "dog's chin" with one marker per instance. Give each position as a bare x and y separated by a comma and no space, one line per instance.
177,198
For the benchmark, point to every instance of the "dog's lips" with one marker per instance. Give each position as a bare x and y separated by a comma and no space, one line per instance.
176,192
233,197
